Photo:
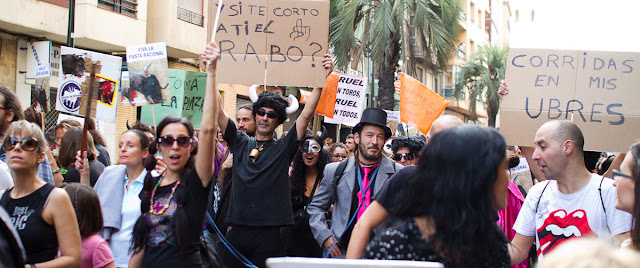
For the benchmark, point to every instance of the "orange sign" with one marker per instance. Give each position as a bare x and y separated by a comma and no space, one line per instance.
304,95
419,105
327,103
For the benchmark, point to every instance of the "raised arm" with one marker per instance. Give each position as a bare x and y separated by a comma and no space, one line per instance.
312,103
205,58
210,110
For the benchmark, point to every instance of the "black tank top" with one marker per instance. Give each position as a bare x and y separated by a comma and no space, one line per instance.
38,237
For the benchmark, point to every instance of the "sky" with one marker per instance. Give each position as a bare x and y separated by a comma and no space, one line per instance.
608,25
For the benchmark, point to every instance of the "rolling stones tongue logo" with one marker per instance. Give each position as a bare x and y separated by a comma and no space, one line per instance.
559,227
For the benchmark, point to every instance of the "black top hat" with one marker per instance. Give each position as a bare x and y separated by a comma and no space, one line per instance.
376,117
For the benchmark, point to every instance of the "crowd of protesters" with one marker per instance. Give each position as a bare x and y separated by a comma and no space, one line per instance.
232,194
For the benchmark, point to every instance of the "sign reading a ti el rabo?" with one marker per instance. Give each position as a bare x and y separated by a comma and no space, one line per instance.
148,81
187,90
275,42
346,93
74,80
596,90
419,105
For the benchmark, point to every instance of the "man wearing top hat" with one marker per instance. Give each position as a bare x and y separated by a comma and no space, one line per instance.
351,190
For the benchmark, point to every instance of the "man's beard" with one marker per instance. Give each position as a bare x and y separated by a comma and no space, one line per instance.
362,150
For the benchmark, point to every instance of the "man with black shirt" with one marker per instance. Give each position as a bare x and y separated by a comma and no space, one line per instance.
352,189
260,204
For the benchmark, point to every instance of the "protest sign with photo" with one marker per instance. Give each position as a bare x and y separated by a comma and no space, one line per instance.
148,75
38,70
187,91
595,90
76,65
349,99
277,42
419,105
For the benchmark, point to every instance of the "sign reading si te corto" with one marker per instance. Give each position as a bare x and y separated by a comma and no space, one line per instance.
596,90
276,42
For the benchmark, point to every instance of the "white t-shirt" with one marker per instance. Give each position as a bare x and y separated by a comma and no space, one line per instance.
561,216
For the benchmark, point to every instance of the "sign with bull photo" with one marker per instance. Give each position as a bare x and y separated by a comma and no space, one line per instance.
148,75
74,82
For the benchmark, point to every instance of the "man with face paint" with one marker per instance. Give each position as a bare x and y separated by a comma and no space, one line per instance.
351,191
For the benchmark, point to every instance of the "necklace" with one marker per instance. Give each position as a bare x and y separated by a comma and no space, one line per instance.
161,208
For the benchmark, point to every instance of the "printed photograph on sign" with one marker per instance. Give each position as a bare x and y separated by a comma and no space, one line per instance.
148,74
40,92
107,90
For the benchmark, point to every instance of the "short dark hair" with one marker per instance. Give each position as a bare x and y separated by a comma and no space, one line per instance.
87,207
274,101
333,147
569,131
414,144
33,116
246,107
11,102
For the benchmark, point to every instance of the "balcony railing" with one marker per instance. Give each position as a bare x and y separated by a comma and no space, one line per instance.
190,17
124,7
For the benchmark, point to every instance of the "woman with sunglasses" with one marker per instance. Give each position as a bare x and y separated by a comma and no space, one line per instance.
173,205
118,188
308,164
406,149
42,214
626,182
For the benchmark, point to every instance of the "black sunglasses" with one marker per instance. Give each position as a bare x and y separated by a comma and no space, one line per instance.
618,174
167,141
407,156
270,114
27,144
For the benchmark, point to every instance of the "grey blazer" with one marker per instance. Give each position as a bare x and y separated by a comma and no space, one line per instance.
340,197
110,189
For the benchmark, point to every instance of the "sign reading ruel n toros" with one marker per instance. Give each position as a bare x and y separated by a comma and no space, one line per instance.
275,42
596,90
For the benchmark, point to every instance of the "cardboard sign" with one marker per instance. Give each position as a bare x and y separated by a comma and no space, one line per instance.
596,90
74,80
419,105
148,75
350,93
187,97
38,64
277,42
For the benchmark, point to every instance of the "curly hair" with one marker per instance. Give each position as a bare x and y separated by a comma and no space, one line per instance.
455,189
297,180
274,101
414,144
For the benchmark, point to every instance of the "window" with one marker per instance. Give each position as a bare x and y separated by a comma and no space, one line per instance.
191,11
124,7
64,3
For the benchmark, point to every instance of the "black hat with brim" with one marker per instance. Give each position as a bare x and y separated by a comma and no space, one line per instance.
375,117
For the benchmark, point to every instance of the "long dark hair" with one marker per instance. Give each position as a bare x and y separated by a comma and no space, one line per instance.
179,220
297,180
453,185
87,206
635,172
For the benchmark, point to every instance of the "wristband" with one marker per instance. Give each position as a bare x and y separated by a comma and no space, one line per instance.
57,170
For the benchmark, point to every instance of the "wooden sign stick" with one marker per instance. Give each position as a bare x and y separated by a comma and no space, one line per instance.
87,111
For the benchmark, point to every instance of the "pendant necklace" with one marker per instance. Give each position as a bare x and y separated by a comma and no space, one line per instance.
159,209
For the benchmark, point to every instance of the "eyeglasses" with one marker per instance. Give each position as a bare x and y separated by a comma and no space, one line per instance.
27,144
167,141
310,147
5,108
270,114
618,175
406,156
340,156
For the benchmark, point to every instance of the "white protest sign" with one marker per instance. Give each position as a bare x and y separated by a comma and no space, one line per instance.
393,115
148,81
349,100
38,65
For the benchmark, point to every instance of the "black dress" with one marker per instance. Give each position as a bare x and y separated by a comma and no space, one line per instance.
299,241
403,241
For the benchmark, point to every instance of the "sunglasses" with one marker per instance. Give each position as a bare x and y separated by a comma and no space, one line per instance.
618,175
407,156
270,114
310,147
167,141
27,144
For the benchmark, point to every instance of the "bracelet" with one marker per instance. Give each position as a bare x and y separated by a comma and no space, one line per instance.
57,170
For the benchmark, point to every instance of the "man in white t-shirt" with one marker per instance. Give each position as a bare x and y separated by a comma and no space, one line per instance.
571,203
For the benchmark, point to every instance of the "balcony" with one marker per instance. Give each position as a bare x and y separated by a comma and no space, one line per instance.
181,29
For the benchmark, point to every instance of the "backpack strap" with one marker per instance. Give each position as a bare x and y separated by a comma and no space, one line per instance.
540,198
340,171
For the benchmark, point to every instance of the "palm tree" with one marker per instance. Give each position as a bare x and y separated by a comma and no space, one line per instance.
381,27
481,76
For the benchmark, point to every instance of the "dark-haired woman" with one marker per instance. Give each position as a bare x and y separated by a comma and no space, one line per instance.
308,164
42,213
449,208
627,186
118,188
167,234
69,147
